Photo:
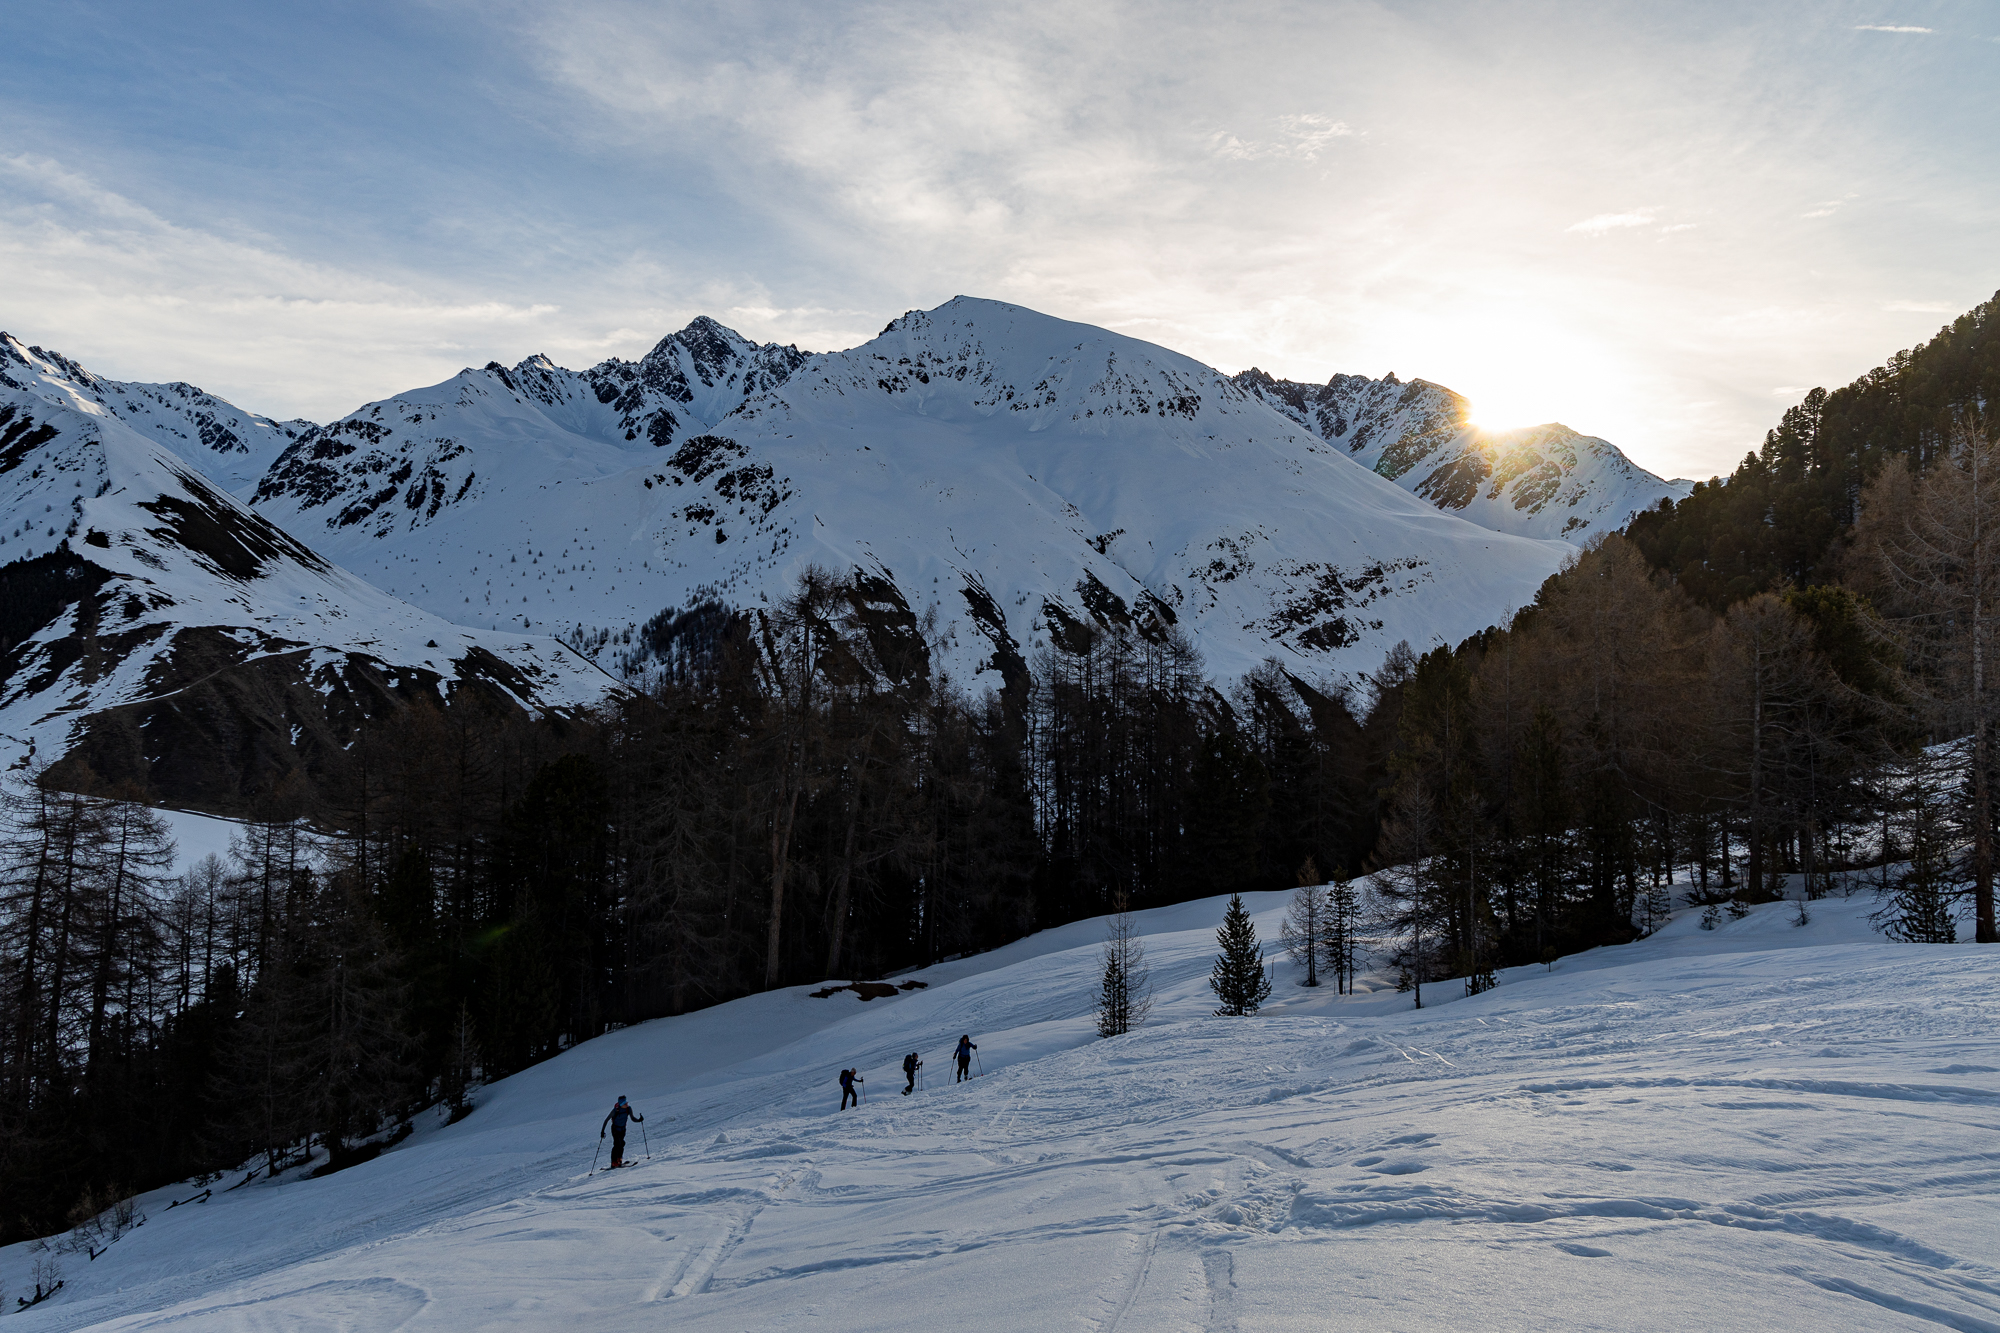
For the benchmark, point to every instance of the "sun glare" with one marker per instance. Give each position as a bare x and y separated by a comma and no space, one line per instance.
1516,370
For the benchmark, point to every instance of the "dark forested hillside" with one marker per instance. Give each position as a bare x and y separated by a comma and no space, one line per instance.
1780,517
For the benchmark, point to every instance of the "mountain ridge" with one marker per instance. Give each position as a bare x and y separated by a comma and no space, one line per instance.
164,635
941,422
1537,481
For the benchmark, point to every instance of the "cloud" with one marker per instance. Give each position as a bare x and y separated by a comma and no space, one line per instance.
1301,137
112,282
1603,222
1826,208
1922,307
1890,27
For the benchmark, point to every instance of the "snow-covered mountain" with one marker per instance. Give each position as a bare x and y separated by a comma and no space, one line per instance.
153,628
1763,1126
1018,474
1535,481
224,442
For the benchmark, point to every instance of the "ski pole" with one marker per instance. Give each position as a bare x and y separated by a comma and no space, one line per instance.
593,1156
647,1139
982,1063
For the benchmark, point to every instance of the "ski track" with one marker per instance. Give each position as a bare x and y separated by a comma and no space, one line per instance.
1730,1140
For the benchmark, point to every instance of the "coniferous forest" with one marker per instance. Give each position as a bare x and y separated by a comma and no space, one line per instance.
1749,689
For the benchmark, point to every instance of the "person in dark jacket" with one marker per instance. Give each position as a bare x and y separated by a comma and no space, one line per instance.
848,1078
911,1064
964,1054
619,1114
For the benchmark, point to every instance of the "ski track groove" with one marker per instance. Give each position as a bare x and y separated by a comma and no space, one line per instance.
1149,1246
715,1255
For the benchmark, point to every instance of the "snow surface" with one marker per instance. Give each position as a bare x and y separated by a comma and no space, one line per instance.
1763,1126
1002,467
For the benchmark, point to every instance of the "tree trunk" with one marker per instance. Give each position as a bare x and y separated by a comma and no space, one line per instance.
781,846
1755,874
838,933
1982,798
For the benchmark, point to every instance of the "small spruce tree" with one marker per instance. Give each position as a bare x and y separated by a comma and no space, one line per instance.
1238,978
1919,910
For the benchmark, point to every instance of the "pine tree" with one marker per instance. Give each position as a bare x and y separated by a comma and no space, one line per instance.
1238,978
1125,992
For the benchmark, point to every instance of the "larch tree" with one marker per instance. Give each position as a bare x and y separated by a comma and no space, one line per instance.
1125,985
1305,927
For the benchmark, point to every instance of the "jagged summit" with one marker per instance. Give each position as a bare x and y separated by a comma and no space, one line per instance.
1537,481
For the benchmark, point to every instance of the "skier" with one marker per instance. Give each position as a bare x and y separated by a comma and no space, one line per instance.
848,1078
964,1054
620,1113
910,1067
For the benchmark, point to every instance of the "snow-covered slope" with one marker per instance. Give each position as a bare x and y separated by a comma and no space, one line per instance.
1017,473
1535,481
156,629
222,440
1760,1127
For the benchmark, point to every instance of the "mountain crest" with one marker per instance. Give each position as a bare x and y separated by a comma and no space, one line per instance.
1535,481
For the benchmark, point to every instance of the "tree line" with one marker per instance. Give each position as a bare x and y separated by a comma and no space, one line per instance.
794,795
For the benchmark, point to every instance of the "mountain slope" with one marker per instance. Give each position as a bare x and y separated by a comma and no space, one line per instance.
1019,475
221,440
154,630
1535,481
1757,1127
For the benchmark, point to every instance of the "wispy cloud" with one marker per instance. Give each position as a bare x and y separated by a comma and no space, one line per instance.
1301,137
1890,27
111,281
1826,208
1603,222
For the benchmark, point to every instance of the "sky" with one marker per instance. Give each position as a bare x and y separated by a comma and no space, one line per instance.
1659,224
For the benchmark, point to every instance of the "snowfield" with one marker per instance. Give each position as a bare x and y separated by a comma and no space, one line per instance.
1764,1126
